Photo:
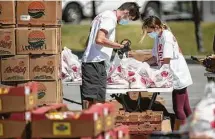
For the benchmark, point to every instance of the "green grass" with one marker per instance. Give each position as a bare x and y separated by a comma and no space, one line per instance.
75,36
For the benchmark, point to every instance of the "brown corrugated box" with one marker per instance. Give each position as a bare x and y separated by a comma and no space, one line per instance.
60,94
8,84
18,99
7,41
38,40
0,73
48,92
77,124
39,12
12,129
45,67
148,127
139,117
7,12
15,68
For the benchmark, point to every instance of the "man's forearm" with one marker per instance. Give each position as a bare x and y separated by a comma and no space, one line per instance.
108,43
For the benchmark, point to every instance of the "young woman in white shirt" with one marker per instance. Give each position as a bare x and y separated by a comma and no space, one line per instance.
167,51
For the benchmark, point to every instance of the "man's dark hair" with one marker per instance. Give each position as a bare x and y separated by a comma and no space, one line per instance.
133,9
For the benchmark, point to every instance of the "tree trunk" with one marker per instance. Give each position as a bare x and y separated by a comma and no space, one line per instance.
198,31
214,44
93,9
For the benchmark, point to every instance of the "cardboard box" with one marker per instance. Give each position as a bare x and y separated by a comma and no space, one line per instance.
8,84
0,72
139,117
39,13
18,128
15,68
122,132
46,124
38,41
45,67
148,127
48,92
60,94
7,12
18,99
7,41
116,104
109,115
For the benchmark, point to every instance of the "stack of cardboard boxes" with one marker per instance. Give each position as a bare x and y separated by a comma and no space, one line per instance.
134,114
20,118
16,104
30,46
96,122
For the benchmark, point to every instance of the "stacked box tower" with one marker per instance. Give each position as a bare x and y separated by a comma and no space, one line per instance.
32,40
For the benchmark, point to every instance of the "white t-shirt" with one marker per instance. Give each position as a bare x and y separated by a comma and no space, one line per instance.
96,53
166,46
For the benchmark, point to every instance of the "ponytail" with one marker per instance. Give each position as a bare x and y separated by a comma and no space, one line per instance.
165,26
143,37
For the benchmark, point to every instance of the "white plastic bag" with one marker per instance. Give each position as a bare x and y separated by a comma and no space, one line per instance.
162,77
71,66
141,75
115,74
114,65
202,121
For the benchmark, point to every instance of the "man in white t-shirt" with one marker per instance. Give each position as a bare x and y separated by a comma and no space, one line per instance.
100,45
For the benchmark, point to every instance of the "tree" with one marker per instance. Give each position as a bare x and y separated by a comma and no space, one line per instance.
93,9
198,31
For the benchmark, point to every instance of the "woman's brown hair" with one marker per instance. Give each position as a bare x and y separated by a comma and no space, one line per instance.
152,22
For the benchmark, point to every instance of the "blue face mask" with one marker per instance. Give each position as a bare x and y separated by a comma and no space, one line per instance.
123,22
153,35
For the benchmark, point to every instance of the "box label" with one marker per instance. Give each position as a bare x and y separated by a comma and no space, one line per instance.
44,72
61,128
1,130
16,72
4,91
31,100
98,125
25,17
7,39
36,9
108,120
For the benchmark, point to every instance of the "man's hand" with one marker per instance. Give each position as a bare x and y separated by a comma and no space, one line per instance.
127,44
125,49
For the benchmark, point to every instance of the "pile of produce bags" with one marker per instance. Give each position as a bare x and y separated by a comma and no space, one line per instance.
126,71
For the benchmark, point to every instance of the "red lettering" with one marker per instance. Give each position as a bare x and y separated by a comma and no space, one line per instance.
15,69
45,69
5,44
160,53
160,47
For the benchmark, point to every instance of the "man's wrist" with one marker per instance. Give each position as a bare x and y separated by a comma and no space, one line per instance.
120,46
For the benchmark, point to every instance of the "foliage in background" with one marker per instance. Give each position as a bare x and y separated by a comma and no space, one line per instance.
75,36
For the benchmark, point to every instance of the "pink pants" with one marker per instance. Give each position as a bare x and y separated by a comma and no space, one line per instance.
181,105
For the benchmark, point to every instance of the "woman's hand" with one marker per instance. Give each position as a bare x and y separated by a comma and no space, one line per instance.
131,54
166,60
